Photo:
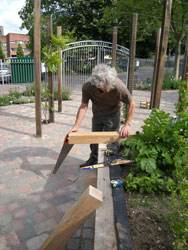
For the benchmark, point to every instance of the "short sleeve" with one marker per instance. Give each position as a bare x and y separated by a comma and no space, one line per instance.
85,94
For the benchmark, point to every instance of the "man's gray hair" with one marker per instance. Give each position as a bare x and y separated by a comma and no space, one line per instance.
103,76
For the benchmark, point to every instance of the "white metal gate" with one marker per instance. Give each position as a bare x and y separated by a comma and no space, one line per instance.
79,58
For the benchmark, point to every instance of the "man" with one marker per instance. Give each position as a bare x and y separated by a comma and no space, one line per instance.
106,92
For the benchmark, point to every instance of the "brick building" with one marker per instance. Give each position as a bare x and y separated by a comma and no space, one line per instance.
10,43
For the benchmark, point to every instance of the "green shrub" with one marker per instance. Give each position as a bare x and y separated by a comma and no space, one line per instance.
169,82
143,86
24,99
14,93
65,94
5,100
154,150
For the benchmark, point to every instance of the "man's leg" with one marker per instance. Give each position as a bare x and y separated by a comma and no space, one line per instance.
104,123
112,123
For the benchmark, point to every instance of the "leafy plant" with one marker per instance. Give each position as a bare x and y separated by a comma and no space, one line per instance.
65,94
155,148
170,82
182,104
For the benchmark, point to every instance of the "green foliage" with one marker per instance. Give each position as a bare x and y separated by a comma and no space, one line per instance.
14,93
143,86
169,82
2,55
155,148
19,52
161,155
65,94
51,57
182,104
5,100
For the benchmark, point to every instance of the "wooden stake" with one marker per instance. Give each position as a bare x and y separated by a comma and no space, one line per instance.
155,68
185,63
59,75
37,45
50,75
75,217
132,53
162,52
114,47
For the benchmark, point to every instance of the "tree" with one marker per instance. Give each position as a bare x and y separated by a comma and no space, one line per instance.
84,17
179,25
19,52
2,55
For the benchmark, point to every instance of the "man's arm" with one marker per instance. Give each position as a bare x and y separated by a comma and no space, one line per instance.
79,117
124,132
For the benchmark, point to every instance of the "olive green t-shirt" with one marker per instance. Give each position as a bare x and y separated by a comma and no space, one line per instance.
106,103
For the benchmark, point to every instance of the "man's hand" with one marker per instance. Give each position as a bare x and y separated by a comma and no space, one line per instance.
73,130
125,131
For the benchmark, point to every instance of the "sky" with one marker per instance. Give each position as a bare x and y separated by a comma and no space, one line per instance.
9,17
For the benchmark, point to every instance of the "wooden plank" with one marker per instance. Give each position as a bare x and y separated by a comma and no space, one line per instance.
94,137
105,237
89,201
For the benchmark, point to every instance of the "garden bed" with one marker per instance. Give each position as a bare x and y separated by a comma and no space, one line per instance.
146,222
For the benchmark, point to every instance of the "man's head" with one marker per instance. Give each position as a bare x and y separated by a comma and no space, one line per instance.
103,77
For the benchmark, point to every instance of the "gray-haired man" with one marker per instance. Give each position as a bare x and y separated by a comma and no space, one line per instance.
106,92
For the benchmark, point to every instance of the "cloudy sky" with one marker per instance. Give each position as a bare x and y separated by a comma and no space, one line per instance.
9,17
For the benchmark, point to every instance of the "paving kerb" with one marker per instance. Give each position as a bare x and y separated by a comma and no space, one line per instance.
32,199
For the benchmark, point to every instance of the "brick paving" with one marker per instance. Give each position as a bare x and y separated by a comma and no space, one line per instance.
32,199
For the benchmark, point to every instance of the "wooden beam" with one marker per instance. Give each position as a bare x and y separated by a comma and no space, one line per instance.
37,53
89,201
94,137
155,68
132,53
105,236
162,52
114,46
59,75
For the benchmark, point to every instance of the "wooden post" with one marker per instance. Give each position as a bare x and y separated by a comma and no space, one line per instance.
132,53
155,68
59,75
114,46
37,45
75,217
50,75
185,63
162,52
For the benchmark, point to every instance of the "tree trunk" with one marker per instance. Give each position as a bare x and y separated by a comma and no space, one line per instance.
177,59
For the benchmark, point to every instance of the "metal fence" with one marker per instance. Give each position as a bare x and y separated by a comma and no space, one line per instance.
79,58
22,70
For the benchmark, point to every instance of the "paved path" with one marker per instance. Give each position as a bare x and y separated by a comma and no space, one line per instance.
32,199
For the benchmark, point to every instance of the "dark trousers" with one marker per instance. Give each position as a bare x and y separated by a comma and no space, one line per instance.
109,122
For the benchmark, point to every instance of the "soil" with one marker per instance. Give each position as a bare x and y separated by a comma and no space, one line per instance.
148,227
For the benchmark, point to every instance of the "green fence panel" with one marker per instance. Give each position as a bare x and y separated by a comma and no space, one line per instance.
22,70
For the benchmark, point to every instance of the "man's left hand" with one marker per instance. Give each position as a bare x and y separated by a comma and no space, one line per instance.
125,131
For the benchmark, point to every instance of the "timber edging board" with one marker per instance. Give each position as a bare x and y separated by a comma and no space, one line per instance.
111,222
121,221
